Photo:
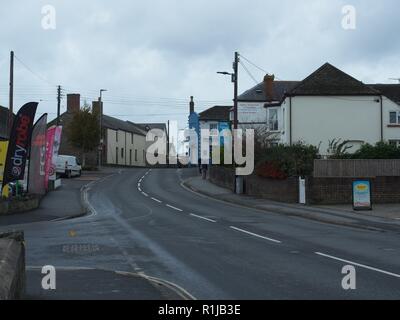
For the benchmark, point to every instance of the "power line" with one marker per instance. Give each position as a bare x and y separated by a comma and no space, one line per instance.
248,72
33,72
256,66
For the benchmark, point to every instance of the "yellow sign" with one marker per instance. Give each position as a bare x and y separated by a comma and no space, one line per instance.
3,156
362,187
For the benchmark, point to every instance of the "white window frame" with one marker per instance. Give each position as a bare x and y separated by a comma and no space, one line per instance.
397,118
395,141
269,121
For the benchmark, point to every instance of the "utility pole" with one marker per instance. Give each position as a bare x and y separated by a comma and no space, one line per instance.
11,96
58,104
101,126
168,144
235,77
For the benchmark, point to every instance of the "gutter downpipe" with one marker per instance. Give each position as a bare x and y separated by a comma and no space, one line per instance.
381,98
290,120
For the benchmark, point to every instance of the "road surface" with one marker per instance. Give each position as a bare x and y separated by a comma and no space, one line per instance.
144,221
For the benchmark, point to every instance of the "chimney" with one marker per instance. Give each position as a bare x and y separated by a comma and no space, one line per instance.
191,105
73,102
96,107
269,86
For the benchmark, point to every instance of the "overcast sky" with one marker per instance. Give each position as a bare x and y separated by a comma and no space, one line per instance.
152,55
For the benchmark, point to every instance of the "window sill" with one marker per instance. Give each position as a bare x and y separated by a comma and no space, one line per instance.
393,126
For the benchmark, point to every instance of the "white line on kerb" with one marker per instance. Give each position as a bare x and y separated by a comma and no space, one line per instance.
145,194
175,208
358,265
159,201
203,218
255,235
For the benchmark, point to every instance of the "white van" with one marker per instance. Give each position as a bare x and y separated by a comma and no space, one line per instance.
68,166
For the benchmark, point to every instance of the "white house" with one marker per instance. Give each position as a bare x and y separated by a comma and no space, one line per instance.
327,105
125,143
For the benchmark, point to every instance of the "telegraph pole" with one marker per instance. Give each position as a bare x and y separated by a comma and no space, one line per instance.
168,145
11,96
58,104
235,77
235,94
101,127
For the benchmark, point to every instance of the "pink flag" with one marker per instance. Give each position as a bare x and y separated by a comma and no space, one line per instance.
49,154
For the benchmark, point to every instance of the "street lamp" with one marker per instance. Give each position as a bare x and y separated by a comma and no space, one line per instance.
234,77
101,126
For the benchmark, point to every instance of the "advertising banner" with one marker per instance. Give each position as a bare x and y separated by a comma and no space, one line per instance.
56,147
20,142
37,159
362,195
3,156
49,154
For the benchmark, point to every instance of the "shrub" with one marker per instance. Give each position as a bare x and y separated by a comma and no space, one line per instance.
381,150
283,161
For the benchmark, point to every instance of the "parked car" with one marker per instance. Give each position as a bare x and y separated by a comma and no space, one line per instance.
68,166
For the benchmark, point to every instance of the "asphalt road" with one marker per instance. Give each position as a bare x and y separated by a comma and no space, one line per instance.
146,222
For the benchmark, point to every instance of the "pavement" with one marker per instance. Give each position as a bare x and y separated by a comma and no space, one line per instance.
59,210
145,222
381,217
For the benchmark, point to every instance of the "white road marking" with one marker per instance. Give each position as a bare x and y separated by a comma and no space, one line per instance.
255,235
140,190
203,218
175,208
358,265
145,194
159,201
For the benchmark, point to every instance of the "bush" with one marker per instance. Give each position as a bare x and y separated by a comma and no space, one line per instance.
280,162
382,150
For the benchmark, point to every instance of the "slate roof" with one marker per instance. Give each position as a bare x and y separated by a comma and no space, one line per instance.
391,91
117,124
257,93
328,81
216,113
150,126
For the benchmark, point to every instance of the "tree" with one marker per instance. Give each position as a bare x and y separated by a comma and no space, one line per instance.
84,131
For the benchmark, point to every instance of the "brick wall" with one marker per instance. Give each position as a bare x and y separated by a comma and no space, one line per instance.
278,190
272,189
339,190
222,176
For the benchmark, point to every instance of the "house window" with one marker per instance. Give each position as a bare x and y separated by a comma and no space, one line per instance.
116,155
116,136
395,143
130,157
395,117
272,115
136,155
214,126
122,153
132,138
